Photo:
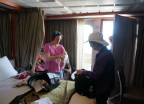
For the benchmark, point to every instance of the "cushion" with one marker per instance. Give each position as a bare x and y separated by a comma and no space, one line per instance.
6,69
78,99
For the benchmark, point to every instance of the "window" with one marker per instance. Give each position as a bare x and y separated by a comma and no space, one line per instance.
85,54
107,31
87,50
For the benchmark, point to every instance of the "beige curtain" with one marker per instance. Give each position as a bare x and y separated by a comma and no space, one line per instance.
80,42
5,35
68,29
29,37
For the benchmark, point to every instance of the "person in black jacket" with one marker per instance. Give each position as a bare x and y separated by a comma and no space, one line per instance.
104,68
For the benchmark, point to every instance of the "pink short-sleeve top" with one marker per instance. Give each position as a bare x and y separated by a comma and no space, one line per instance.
53,65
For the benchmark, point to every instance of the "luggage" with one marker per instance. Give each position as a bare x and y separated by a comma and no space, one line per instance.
41,82
84,86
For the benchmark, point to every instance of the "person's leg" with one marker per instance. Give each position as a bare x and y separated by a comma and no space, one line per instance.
61,75
66,76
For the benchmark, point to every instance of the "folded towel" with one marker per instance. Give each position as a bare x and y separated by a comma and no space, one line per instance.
42,101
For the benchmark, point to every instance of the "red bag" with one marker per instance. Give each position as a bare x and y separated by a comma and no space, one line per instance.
23,75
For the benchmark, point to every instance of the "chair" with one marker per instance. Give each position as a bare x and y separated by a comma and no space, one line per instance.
131,93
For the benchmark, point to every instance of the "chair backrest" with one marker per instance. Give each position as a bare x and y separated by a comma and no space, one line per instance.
121,77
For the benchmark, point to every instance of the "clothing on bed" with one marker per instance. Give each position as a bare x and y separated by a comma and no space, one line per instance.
42,101
62,94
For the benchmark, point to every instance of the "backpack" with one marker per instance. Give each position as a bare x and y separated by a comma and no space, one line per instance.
84,86
47,83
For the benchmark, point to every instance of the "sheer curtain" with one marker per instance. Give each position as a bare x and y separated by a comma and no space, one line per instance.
29,37
5,35
80,42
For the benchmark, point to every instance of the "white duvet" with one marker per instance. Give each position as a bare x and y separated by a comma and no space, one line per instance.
7,93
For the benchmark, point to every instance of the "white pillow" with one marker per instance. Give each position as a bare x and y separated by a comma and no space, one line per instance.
6,69
78,99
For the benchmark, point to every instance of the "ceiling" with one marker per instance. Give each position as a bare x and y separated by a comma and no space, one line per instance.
77,7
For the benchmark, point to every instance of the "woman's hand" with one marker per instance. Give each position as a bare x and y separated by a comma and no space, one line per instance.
61,56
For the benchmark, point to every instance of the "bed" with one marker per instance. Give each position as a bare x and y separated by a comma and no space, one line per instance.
7,92
63,94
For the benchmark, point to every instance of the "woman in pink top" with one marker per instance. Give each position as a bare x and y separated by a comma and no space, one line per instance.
55,54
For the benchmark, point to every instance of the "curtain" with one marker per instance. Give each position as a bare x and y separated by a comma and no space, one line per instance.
29,37
139,66
124,40
68,29
80,42
5,35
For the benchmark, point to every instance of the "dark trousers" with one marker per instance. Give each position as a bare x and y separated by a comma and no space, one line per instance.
102,98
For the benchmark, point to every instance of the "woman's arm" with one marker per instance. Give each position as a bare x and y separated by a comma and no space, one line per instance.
64,54
48,57
63,59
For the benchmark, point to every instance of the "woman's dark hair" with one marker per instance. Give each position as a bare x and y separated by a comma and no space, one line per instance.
96,43
55,34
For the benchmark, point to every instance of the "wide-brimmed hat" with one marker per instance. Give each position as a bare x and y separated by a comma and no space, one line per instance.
97,37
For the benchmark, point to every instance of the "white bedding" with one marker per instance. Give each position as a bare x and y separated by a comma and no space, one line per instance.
7,93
